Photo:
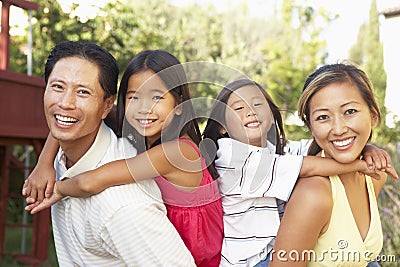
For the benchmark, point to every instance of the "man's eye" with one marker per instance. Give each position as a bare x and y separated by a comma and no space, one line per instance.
157,97
83,92
57,86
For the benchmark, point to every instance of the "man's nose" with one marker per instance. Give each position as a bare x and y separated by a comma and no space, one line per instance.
68,100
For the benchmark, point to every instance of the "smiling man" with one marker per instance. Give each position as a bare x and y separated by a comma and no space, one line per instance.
123,225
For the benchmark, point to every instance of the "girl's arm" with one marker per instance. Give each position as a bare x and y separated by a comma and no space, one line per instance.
41,181
178,162
307,216
315,165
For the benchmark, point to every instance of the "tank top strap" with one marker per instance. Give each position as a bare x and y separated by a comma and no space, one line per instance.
192,144
206,174
196,148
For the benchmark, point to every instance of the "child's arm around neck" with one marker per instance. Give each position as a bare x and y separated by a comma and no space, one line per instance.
177,161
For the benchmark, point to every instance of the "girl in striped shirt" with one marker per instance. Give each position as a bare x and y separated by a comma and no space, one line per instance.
255,173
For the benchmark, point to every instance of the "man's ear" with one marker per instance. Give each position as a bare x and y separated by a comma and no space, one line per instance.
109,104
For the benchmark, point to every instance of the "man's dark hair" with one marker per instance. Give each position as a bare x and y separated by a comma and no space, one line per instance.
108,67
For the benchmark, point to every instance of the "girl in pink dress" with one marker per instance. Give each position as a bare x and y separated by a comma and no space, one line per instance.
155,113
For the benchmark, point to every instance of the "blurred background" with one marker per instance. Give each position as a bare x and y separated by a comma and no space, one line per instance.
276,43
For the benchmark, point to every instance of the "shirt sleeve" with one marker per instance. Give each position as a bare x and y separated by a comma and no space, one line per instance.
266,175
284,174
298,147
145,237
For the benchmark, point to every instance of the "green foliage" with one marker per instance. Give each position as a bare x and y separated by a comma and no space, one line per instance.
278,52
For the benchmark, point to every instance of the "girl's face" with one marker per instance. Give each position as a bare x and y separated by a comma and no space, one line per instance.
150,107
248,116
340,121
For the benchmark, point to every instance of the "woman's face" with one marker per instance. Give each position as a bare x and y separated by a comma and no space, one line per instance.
340,121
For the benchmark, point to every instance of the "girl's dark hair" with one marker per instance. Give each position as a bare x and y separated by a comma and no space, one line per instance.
169,69
216,121
335,73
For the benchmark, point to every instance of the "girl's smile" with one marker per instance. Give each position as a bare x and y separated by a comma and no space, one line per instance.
150,107
248,116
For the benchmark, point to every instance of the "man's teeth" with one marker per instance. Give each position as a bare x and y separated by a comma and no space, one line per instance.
343,142
65,120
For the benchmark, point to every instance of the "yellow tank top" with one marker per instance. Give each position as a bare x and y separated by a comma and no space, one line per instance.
341,244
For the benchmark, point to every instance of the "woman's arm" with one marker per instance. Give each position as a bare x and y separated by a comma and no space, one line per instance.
307,216
41,181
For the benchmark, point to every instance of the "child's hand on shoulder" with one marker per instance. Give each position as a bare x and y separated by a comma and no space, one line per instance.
375,173
37,206
39,184
377,160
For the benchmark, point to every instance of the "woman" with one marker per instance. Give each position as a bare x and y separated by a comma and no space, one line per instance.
335,221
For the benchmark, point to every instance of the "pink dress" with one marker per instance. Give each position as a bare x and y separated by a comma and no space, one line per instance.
196,215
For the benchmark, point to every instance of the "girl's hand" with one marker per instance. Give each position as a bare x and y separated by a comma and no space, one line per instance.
377,158
46,202
375,173
39,184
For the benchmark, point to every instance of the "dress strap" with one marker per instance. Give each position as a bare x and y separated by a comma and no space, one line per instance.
192,144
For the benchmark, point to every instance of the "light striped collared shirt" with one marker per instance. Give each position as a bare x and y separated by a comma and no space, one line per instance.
121,226
251,180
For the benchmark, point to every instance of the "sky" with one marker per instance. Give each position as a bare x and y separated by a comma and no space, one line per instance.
341,35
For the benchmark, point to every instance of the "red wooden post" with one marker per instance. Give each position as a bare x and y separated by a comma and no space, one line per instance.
4,164
4,37
41,221
5,27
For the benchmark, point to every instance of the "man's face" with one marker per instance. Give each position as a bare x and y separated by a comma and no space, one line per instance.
74,102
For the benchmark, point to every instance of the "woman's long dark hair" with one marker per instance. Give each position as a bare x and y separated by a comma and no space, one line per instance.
216,121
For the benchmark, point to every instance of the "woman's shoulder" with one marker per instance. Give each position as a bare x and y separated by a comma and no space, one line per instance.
314,192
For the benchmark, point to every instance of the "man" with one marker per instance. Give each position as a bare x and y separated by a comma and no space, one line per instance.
123,225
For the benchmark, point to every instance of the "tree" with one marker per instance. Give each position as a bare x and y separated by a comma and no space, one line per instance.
368,53
293,49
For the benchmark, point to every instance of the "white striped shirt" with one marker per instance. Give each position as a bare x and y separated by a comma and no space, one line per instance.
121,226
251,180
